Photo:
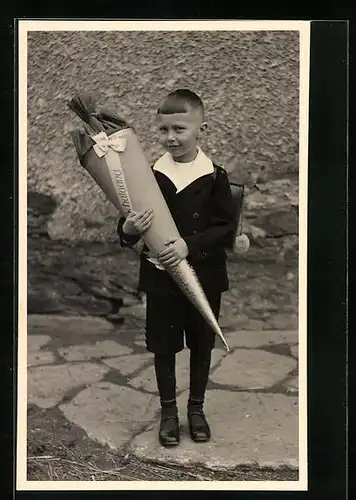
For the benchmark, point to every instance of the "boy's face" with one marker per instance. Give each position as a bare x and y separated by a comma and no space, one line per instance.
179,133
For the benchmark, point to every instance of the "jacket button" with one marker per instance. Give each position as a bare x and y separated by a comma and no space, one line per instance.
196,215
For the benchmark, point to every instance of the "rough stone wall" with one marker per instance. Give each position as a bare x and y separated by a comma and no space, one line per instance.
249,84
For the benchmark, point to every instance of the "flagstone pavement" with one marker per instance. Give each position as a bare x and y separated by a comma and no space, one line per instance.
101,378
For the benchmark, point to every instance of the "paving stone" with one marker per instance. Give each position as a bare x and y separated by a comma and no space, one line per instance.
104,349
48,384
137,310
247,429
295,351
252,369
111,414
292,385
68,326
129,364
283,321
140,343
35,342
36,358
147,379
234,320
256,338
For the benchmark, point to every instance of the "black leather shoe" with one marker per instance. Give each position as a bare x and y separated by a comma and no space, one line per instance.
169,431
198,427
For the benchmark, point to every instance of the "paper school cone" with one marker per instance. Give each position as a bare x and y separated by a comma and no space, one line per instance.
185,277
111,152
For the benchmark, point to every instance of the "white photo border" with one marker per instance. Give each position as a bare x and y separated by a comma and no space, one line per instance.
25,26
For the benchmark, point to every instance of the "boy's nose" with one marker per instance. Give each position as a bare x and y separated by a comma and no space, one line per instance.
171,137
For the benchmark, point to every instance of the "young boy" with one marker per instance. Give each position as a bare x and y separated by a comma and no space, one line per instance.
199,197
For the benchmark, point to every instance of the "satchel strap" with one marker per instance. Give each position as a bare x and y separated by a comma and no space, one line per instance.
240,221
240,226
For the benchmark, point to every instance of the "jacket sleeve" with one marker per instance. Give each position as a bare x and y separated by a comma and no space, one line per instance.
126,240
222,225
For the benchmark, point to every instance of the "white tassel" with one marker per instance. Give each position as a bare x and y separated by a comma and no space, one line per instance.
241,244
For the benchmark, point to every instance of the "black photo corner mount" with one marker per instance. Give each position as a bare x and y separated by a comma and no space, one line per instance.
327,206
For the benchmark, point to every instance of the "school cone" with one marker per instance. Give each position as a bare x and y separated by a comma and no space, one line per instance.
185,277
111,153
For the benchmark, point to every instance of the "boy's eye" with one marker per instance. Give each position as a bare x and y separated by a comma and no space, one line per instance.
163,130
179,129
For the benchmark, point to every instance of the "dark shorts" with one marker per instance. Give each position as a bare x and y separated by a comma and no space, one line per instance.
172,318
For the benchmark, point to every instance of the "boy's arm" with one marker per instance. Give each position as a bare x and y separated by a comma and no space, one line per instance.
126,240
222,221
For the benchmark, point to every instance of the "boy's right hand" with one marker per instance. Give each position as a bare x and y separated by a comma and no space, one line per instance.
138,222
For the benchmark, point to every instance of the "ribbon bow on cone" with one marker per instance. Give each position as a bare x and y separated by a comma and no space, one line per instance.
104,142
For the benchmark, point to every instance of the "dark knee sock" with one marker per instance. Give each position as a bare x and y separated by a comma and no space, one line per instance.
166,382
199,373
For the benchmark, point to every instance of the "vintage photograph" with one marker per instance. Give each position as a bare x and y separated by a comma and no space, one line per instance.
162,249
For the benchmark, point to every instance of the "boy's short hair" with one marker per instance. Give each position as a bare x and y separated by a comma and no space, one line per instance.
180,101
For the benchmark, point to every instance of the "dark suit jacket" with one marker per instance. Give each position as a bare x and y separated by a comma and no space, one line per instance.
204,215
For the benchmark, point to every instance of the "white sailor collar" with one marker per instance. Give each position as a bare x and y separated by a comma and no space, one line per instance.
180,175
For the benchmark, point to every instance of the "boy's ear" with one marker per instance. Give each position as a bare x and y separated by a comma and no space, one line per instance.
203,127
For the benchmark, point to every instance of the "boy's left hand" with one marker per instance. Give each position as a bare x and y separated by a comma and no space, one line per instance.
176,251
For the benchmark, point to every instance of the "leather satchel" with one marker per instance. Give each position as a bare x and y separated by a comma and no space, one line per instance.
237,191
